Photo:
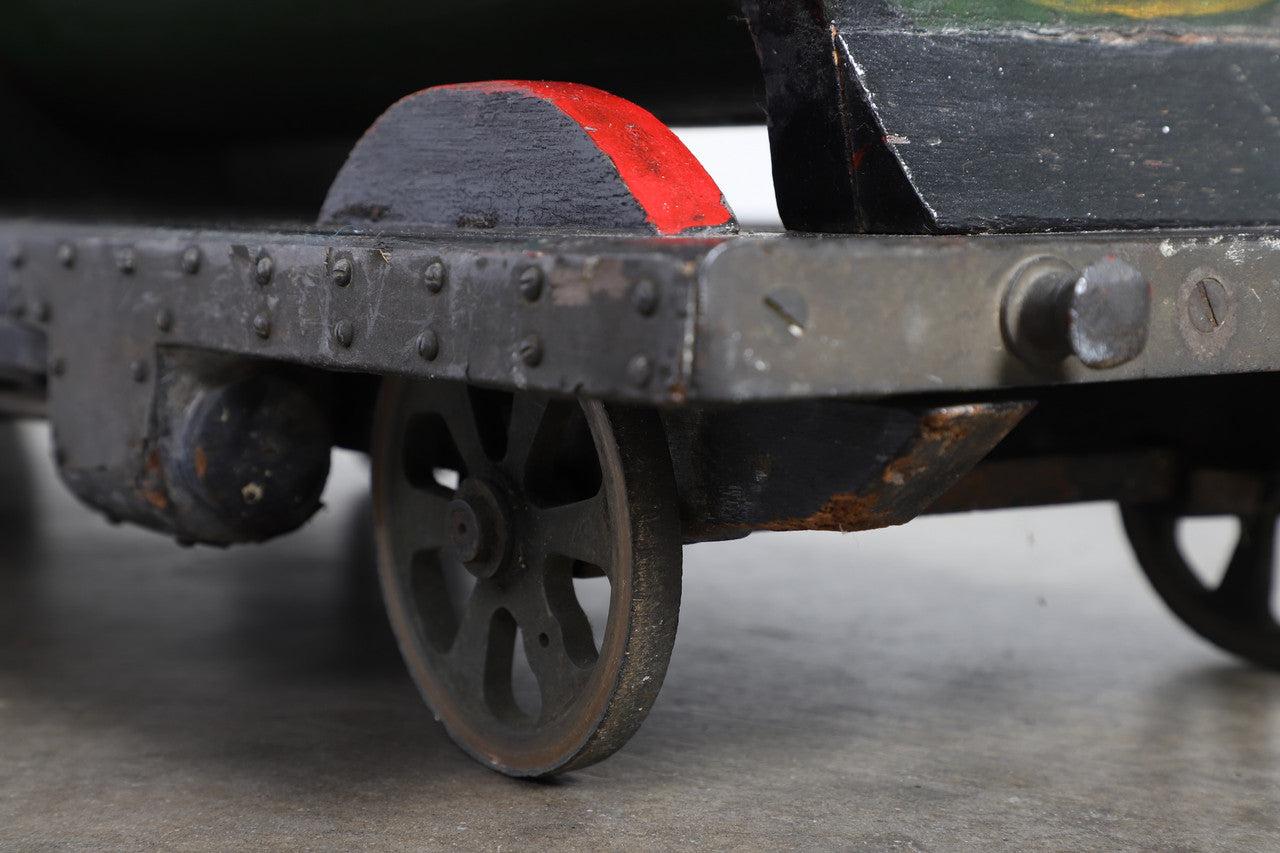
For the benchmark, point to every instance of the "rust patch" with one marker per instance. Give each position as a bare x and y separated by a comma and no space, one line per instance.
952,425
152,486
201,462
948,442
844,513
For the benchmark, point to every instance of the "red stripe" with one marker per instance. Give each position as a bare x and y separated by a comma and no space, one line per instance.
667,181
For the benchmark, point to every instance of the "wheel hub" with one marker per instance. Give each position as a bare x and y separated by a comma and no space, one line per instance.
477,521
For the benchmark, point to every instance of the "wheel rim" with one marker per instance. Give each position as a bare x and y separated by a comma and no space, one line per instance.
1236,612
488,505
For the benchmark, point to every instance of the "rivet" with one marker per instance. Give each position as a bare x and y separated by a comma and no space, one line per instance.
433,276
164,319
640,369
262,272
530,282
644,296
17,255
138,370
191,259
428,345
343,332
342,272
41,311
67,255
530,351
125,261
262,324
58,365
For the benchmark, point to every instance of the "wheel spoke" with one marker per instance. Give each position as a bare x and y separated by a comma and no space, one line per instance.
557,638
454,405
478,649
524,433
580,531
548,491
1245,590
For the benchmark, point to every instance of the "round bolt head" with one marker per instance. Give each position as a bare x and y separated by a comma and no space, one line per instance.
428,345
341,272
57,366
530,283
67,255
644,296
17,255
262,324
126,261
530,351
344,333
1108,314
164,319
640,369
263,271
433,276
191,260
41,311
138,370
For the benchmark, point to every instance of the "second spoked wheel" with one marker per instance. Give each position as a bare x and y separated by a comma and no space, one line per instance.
1233,609
529,553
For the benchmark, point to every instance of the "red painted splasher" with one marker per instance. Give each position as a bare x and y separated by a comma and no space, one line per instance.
668,182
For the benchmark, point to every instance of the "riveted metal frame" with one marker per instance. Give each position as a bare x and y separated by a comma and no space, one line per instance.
649,320
675,323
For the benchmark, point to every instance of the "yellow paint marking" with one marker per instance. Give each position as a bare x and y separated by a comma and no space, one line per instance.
1147,9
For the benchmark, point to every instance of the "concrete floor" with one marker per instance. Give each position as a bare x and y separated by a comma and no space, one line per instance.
995,682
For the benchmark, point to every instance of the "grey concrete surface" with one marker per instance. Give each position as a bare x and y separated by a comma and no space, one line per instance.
994,682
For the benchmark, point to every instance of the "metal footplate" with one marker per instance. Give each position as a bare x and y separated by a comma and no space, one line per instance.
669,322
662,321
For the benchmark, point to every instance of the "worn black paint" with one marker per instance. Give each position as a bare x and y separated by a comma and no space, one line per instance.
465,158
1014,130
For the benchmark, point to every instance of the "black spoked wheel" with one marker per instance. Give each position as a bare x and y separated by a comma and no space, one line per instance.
1233,611
501,519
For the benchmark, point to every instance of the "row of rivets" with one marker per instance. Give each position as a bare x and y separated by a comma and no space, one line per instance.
530,282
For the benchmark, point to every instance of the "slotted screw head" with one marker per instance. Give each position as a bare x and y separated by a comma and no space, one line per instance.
263,270
344,333
342,272
433,276
530,351
530,283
